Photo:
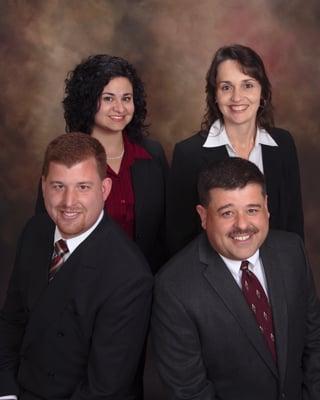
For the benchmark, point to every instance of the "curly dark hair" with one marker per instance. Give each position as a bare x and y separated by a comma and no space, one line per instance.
84,86
252,65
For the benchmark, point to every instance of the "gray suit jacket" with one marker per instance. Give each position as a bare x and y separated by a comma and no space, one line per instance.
207,342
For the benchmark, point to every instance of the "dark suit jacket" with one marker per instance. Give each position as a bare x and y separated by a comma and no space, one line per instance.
149,184
281,170
207,342
81,335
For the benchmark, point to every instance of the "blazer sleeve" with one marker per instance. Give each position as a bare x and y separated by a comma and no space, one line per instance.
159,251
13,319
117,341
311,354
177,348
183,222
293,188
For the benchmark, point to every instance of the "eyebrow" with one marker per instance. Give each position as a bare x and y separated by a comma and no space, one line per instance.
224,207
244,80
232,205
114,94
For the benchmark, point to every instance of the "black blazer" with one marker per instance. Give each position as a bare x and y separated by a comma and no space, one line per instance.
80,336
281,170
207,343
149,185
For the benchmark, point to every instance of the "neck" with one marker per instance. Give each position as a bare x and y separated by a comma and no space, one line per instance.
242,138
112,142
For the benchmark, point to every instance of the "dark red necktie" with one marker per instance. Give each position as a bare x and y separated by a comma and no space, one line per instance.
60,249
259,305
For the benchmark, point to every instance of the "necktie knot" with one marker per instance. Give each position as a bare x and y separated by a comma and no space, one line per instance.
61,248
244,265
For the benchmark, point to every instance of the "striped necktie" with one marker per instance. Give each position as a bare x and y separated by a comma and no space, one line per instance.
60,250
259,305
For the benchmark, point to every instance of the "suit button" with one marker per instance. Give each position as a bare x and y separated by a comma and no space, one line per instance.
283,395
60,334
50,375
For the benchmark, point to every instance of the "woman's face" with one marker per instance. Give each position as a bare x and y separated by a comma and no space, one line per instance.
238,95
115,106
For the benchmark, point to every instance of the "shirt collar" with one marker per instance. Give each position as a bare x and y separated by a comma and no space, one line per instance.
74,242
218,136
234,265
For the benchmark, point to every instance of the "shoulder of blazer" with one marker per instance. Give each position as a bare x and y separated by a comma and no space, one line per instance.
156,151
281,137
192,143
39,224
109,244
280,240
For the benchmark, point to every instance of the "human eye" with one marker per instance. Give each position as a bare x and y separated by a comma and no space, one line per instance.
252,211
127,98
107,98
225,87
83,187
227,214
249,85
58,187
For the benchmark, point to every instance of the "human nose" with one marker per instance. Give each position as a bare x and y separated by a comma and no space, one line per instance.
241,221
118,106
236,94
69,197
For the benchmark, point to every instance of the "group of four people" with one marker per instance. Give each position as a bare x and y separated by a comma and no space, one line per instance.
77,312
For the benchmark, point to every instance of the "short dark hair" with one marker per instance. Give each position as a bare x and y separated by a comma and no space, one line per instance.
229,174
84,85
252,65
72,148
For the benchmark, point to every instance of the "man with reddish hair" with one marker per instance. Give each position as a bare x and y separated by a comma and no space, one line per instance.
77,309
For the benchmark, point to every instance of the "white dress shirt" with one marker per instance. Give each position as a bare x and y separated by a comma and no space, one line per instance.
72,244
255,266
218,137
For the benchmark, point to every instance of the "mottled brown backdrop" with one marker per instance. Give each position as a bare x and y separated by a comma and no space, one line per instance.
171,42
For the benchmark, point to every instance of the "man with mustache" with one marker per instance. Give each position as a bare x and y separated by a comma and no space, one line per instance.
235,313
77,310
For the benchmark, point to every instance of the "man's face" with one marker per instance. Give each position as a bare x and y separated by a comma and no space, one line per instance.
236,221
75,196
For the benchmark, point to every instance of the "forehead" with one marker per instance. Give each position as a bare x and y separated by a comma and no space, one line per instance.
231,69
119,84
240,197
79,171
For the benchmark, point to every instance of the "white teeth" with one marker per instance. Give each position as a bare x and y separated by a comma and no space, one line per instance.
239,108
69,214
241,238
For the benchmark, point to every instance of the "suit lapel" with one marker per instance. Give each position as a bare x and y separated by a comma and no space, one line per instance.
39,262
272,268
75,275
225,286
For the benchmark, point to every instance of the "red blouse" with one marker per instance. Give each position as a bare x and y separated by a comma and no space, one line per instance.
120,202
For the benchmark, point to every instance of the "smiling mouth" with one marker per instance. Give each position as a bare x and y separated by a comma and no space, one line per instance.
243,236
117,117
69,214
239,108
